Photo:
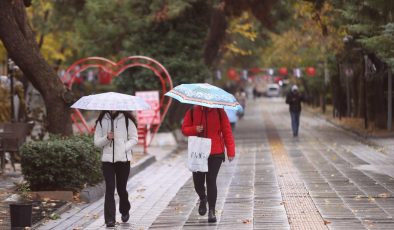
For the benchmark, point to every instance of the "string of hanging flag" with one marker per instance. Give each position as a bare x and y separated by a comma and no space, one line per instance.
235,74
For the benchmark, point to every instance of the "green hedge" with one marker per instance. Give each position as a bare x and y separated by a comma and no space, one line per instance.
61,163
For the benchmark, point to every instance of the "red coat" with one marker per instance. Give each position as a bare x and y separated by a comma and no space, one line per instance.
219,132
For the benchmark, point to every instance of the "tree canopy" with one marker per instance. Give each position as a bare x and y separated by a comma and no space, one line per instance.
192,38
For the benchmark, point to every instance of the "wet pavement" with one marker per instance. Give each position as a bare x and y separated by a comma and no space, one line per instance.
324,179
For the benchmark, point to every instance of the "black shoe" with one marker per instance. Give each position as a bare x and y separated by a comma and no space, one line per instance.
211,216
111,224
202,209
125,218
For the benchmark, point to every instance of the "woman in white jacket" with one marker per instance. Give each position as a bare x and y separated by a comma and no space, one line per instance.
116,146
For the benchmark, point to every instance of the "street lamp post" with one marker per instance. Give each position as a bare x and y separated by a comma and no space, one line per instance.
370,70
389,100
347,40
349,75
11,70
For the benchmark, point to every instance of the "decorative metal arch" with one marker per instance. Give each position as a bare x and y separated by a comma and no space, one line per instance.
115,69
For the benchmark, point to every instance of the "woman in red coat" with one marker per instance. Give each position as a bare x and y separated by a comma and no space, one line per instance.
214,124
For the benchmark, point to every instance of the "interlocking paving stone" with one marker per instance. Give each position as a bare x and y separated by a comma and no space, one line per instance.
301,211
145,189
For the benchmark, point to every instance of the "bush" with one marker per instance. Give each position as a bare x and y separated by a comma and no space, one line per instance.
61,163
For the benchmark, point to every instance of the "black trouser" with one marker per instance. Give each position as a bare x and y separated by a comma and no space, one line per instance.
199,178
115,173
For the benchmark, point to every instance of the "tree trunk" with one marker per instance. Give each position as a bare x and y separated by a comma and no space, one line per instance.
381,102
361,98
216,36
355,94
19,40
42,36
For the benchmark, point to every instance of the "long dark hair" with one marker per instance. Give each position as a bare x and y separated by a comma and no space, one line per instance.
100,117
127,115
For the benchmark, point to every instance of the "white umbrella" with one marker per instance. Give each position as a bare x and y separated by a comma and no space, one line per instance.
111,101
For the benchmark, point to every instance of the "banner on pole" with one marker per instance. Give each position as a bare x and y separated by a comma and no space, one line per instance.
152,116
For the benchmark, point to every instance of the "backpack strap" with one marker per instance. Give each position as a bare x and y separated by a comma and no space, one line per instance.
220,118
191,113
127,125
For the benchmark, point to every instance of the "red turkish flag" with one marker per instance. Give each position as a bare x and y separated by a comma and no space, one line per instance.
310,71
104,77
283,71
232,74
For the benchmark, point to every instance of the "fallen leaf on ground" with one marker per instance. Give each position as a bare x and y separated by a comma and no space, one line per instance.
52,204
327,222
54,216
383,195
246,221
358,197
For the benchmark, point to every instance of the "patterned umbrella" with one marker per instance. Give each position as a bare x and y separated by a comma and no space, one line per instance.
111,101
204,94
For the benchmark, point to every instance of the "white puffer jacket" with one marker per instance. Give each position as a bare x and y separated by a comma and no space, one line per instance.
121,148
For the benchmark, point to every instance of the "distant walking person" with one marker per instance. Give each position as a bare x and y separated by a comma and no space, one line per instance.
116,134
214,124
294,99
232,116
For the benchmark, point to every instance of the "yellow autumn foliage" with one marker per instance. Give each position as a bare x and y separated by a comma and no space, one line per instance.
3,56
304,45
56,45
240,28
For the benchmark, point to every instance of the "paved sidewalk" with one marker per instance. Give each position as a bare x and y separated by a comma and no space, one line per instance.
344,175
9,179
327,178
80,216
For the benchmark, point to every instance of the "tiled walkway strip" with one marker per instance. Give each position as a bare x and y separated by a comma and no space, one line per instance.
301,211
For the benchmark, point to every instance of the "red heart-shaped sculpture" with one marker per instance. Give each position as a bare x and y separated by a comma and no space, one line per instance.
115,69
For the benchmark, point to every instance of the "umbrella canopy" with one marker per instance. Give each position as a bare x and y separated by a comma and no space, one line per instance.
204,94
111,101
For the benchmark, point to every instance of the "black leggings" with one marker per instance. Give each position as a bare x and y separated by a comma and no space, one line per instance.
199,178
115,174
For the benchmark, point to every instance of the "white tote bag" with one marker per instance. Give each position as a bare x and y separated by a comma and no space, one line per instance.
198,151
